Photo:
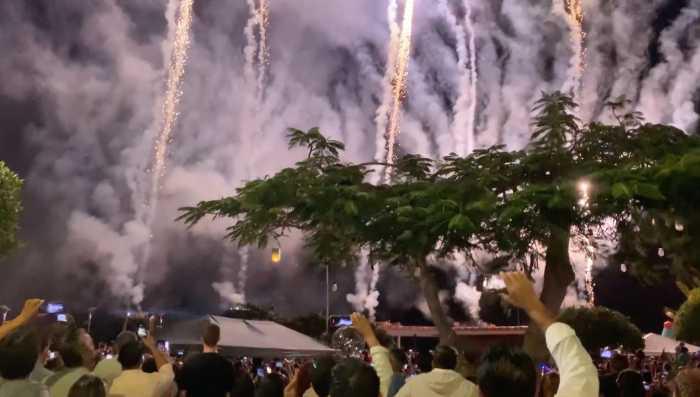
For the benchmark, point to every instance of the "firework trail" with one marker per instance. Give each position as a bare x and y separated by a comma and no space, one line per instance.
383,110
263,49
366,296
574,17
399,83
465,107
173,95
244,254
251,47
257,51
372,300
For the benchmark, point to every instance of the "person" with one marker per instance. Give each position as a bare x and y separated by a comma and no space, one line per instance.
398,360
630,384
88,386
109,368
354,378
207,374
549,385
40,372
243,386
29,310
686,383
74,348
271,385
321,377
442,381
19,351
506,372
608,382
133,382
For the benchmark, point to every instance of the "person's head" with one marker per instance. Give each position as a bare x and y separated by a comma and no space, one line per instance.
123,338
149,365
211,335
88,386
72,346
505,371
354,378
271,386
445,357
630,384
619,363
321,376
131,355
18,354
686,383
398,359
550,385
242,385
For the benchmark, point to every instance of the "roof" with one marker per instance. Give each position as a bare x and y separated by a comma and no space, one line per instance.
395,330
657,344
264,339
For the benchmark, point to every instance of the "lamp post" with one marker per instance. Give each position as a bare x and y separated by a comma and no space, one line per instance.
328,300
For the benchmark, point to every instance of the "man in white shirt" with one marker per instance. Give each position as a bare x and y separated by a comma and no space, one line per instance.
442,381
18,354
506,372
133,382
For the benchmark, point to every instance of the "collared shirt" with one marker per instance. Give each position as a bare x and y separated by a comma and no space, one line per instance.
578,375
39,373
438,383
59,384
136,383
108,370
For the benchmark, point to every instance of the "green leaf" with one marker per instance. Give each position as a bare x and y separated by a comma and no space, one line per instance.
620,190
350,208
652,192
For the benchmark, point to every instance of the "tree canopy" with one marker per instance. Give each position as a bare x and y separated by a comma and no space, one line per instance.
601,327
687,319
518,207
10,208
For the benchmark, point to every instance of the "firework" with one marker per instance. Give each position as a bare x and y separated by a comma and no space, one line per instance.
574,13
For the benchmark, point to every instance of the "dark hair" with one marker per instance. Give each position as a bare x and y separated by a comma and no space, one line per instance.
18,354
88,386
69,346
123,338
149,365
630,384
424,361
131,355
505,372
619,362
398,359
271,386
321,376
445,357
354,378
242,385
211,335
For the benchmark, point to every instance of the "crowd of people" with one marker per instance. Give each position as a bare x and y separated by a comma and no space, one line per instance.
61,360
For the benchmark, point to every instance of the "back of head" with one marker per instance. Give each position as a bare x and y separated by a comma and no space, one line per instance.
398,359
686,383
630,384
354,378
149,365
88,386
271,386
123,338
131,355
68,343
18,354
211,335
619,363
506,372
445,357
321,376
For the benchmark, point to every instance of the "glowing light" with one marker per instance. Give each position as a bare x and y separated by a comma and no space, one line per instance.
661,253
399,83
276,255
679,227
584,188
623,268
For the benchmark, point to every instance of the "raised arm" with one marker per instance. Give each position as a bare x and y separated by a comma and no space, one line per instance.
578,374
380,354
30,309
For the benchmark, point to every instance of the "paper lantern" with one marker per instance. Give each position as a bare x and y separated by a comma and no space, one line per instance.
276,255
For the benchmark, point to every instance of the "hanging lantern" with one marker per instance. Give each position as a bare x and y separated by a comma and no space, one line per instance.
276,255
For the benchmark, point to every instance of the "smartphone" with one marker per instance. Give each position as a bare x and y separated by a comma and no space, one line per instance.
53,308
109,356
62,318
180,354
261,373
52,355
279,364
142,331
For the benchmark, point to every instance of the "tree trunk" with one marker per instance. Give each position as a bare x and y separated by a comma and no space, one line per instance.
558,275
431,293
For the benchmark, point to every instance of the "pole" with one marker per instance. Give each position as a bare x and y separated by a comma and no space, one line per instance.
328,300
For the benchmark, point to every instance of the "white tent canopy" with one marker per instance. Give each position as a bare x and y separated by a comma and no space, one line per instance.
254,338
655,344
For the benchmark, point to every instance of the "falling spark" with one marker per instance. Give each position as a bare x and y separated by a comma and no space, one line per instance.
574,12
173,95
400,77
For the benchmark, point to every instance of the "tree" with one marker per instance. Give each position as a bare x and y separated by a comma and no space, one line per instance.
601,327
521,207
10,208
687,319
